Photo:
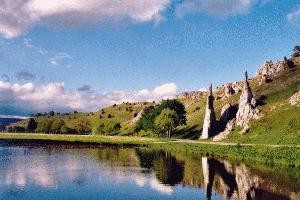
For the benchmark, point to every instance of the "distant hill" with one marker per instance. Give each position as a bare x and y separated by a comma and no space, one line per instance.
5,121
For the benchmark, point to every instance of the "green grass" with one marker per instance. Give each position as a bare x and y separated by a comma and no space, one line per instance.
284,156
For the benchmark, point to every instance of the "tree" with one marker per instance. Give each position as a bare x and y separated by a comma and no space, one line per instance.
32,125
147,120
113,127
296,51
167,121
51,113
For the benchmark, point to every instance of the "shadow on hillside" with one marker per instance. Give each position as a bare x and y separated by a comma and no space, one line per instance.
190,132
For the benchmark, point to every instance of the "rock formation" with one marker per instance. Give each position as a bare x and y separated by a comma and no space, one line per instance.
228,90
194,95
269,70
209,125
295,99
247,103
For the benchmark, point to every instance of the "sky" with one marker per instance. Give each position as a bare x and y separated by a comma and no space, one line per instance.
83,55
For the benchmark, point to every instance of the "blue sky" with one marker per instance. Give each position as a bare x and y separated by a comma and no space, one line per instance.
134,50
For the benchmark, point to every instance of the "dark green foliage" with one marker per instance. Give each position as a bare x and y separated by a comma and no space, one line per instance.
32,125
146,122
51,113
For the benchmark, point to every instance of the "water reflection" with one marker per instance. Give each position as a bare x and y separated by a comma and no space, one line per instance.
127,173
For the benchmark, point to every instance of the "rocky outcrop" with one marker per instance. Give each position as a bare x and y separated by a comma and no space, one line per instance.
209,125
194,95
247,106
228,112
228,90
295,99
224,134
269,70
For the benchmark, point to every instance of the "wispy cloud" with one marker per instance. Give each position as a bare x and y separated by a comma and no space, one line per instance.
28,42
55,60
216,7
294,17
54,96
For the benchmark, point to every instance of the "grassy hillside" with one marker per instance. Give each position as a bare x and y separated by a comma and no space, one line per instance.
280,123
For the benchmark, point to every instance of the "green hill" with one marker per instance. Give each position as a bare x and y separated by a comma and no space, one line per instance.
280,123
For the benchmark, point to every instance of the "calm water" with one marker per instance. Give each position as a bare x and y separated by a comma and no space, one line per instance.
65,172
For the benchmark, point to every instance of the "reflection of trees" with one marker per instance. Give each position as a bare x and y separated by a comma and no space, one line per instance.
167,168
116,156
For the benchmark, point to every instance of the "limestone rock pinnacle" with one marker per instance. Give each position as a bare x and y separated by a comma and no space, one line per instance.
247,105
209,124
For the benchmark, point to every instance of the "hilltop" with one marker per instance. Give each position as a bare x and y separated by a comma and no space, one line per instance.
272,86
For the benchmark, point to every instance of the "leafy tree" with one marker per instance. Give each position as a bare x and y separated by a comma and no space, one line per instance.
32,125
147,120
113,127
296,51
51,113
167,121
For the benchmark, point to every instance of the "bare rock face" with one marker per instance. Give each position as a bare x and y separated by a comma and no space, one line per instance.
247,106
228,90
194,95
224,134
295,99
228,112
209,125
269,70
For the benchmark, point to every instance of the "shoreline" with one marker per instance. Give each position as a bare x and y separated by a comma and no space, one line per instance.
284,155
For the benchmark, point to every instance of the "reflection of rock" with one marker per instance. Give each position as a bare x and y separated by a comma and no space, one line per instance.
209,125
295,99
247,106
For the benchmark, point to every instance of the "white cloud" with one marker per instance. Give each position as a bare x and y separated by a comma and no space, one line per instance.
54,96
216,7
294,17
18,16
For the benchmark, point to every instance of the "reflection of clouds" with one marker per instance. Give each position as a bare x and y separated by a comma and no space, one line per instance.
159,187
140,180
54,168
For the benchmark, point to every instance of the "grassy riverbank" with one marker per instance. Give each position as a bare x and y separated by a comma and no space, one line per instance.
272,155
